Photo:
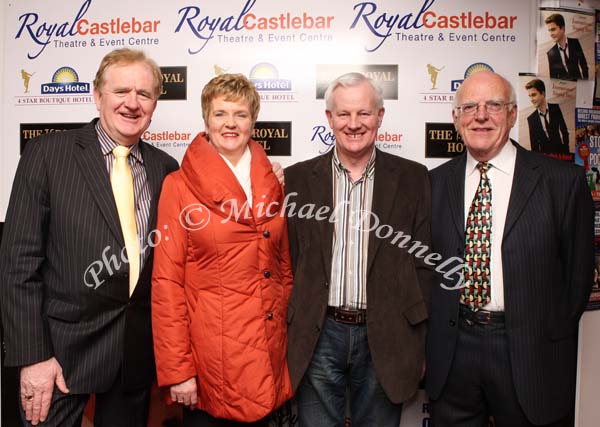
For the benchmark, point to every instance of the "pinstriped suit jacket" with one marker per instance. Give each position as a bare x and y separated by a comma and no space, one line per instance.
547,259
61,219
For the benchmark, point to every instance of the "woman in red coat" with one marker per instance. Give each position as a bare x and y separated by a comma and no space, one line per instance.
222,276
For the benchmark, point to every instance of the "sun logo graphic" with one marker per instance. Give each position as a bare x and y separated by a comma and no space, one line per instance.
471,69
266,77
65,80
270,87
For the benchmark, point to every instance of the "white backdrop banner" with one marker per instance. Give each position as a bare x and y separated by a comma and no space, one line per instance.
418,50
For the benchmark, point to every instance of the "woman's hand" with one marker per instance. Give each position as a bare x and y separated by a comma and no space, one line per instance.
278,171
185,393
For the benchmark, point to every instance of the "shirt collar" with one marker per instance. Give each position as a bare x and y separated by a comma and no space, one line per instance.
369,168
107,145
504,161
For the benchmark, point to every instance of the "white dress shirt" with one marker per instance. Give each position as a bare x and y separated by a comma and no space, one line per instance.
500,176
242,173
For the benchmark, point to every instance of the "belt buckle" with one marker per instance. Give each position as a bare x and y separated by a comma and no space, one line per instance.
349,318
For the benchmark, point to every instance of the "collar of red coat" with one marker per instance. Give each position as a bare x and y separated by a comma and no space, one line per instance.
213,183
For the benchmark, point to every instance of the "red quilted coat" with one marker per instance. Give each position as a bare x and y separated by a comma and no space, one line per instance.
221,283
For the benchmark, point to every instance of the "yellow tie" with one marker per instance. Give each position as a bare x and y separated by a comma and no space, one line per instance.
122,186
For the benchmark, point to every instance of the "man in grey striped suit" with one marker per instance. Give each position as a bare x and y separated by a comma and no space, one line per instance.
73,322
507,348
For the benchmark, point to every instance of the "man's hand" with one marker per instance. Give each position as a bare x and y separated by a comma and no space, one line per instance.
37,384
278,171
185,393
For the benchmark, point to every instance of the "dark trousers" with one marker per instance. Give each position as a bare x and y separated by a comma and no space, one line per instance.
198,418
480,383
114,408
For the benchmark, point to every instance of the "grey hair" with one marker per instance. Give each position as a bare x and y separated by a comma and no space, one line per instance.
352,80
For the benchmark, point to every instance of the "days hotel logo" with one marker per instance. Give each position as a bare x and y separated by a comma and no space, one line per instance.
65,80
65,89
270,87
435,97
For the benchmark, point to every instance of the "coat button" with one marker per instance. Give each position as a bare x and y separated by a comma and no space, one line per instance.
126,275
452,322
266,234
267,274
269,315
326,284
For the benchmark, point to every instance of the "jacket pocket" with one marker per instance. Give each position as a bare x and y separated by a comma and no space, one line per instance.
62,310
416,313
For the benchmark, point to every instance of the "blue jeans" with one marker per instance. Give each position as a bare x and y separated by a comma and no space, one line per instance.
341,362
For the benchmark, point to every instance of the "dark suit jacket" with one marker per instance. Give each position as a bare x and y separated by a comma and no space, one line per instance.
558,142
61,219
577,67
547,259
398,284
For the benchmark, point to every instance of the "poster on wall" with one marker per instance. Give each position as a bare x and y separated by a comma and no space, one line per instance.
546,115
587,154
565,48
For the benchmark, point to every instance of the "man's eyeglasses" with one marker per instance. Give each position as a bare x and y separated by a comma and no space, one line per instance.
492,107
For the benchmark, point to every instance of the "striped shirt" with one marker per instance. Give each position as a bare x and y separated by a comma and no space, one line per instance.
141,188
352,204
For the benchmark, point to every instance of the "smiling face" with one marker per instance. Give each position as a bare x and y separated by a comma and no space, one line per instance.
229,127
354,119
126,101
483,133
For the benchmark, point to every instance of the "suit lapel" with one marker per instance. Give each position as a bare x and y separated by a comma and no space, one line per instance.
385,191
321,189
525,179
88,156
456,194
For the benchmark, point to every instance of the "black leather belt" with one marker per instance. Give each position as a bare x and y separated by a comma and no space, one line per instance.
481,317
350,317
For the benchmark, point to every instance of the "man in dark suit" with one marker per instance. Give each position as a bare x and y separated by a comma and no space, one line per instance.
75,313
359,305
502,338
547,128
565,59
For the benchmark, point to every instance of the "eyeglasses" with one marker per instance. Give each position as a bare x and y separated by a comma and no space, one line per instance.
492,107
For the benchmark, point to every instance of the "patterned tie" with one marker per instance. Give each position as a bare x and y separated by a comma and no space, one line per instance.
477,290
121,181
